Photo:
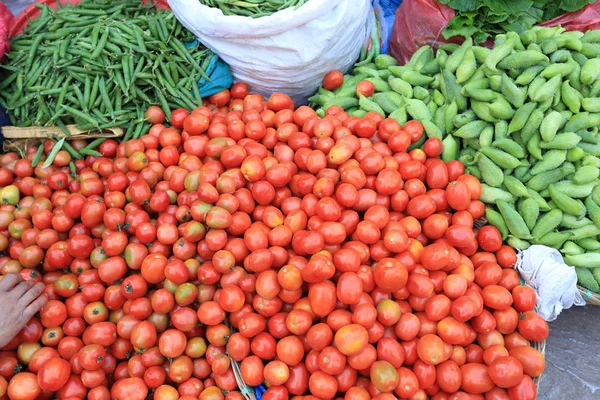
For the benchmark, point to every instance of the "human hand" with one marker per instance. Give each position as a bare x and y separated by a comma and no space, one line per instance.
19,301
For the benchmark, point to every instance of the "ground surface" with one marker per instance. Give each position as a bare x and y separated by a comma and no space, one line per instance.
572,356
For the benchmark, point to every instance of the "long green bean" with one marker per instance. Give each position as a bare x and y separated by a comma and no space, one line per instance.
252,8
93,63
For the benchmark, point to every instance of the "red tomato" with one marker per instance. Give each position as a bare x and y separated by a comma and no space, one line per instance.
533,327
129,388
524,390
524,298
351,339
365,88
333,80
23,386
532,360
489,238
506,371
475,378
384,376
53,374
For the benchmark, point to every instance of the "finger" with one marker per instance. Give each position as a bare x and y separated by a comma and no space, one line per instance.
21,288
9,281
32,294
35,307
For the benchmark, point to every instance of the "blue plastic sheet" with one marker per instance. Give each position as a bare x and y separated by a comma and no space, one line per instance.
259,391
4,121
219,75
220,78
386,13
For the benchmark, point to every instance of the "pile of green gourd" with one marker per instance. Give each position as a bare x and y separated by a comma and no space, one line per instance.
523,117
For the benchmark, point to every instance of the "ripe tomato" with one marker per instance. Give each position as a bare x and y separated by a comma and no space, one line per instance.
524,298
322,385
252,370
333,80
390,275
533,327
365,88
506,371
290,350
525,389
91,357
532,360
408,384
351,339
496,297
23,386
129,388
53,314
475,378
430,349
53,374
384,376
172,343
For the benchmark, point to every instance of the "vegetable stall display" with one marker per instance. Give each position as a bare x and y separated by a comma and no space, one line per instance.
348,265
523,117
101,64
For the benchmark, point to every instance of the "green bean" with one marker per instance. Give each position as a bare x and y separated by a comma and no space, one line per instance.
128,133
95,143
38,156
72,151
140,40
55,149
79,95
73,43
253,9
163,102
89,152
78,114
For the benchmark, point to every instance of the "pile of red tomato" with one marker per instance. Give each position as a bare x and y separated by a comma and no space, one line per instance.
326,256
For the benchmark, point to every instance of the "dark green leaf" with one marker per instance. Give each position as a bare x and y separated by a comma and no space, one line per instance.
508,6
574,5
462,5
484,18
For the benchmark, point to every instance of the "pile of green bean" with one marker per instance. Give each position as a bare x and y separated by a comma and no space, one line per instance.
253,8
522,117
101,64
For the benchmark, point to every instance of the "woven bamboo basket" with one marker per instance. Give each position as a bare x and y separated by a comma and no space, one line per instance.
541,347
247,391
591,298
18,139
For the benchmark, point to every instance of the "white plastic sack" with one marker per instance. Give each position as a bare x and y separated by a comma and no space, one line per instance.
554,281
289,51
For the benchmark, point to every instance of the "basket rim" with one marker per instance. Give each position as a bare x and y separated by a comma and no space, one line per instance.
591,298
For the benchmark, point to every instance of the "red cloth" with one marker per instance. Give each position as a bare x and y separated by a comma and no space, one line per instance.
421,22
6,18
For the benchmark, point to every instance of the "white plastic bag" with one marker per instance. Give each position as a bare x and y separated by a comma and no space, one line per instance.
554,281
289,51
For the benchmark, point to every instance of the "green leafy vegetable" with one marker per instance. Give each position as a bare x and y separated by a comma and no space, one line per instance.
482,19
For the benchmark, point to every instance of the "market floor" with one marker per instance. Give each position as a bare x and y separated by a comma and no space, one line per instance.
570,349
